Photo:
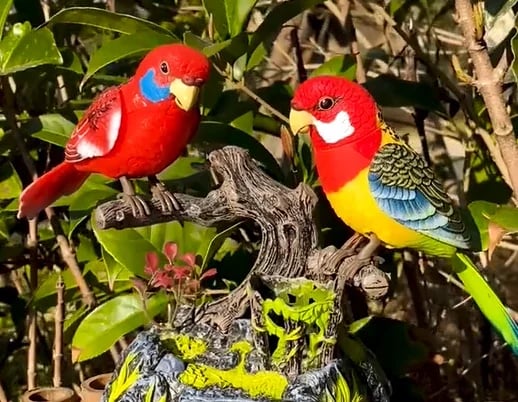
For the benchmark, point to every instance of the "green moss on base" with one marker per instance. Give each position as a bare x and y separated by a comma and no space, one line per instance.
268,384
185,347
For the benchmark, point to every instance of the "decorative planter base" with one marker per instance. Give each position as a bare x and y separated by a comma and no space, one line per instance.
50,394
93,388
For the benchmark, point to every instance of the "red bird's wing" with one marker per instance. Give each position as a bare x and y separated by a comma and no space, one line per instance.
96,133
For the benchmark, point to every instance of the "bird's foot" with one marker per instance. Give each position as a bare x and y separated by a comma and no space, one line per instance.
139,207
168,202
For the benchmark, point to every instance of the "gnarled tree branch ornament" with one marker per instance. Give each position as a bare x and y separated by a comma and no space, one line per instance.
289,246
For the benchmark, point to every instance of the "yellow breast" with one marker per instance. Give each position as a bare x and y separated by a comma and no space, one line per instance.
354,204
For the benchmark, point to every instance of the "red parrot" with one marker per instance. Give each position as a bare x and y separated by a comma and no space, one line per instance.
383,189
130,131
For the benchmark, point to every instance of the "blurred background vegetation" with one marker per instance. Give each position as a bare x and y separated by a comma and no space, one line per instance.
57,55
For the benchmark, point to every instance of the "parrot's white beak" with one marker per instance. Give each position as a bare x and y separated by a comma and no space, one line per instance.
186,96
300,120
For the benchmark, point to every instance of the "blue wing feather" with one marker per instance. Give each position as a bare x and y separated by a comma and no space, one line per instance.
411,207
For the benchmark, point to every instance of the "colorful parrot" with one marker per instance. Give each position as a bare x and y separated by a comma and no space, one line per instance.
133,130
383,189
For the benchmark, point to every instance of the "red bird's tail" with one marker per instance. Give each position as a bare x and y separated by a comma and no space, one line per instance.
64,179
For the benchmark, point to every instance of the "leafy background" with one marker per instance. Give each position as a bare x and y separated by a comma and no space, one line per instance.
56,56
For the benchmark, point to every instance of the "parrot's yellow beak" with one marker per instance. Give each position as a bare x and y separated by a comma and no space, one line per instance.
186,96
300,121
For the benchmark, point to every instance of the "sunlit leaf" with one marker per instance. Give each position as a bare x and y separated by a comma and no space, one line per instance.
52,128
229,16
5,6
10,183
24,48
343,66
216,243
126,46
128,247
105,19
107,323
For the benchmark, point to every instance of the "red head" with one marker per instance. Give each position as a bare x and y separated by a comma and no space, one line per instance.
173,69
339,110
342,120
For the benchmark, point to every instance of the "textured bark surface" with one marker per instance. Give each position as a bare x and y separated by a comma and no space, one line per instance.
289,245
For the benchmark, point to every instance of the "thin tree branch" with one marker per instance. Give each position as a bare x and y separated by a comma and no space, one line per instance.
59,317
488,84
66,250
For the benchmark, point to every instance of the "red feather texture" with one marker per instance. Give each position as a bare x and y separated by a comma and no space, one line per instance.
124,134
340,162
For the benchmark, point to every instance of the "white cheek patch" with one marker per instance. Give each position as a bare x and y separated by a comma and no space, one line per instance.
335,130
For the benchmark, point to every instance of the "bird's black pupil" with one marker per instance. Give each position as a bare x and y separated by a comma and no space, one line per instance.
164,68
326,103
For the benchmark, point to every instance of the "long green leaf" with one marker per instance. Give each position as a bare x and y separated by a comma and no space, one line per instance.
10,183
104,19
111,320
125,46
229,15
24,48
52,128
343,66
5,6
128,247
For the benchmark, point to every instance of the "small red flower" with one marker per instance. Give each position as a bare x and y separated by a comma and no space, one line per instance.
189,259
181,272
163,280
171,251
208,274
151,263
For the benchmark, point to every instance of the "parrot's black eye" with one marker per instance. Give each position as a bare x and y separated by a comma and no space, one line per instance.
164,67
326,103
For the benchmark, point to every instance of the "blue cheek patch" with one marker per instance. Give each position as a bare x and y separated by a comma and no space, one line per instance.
150,90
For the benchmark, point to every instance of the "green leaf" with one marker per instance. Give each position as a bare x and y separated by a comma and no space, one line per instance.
484,213
10,183
125,46
210,49
229,15
215,132
114,270
24,48
52,128
184,166
111,320
5,6
506,217
391,91
342,66
128,247
481,211
4,229
216,243
396,5
277,16
104,19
